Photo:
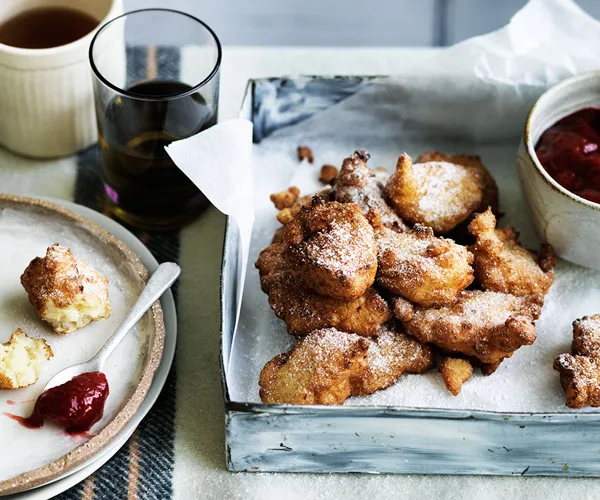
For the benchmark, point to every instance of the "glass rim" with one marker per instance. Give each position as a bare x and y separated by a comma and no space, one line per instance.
167,97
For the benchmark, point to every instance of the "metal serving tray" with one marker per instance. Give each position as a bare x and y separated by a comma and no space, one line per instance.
379,439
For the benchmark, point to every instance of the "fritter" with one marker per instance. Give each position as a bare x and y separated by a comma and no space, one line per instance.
317,370
356,183
438,194
421,267
487,325
303,310
580,371
332,246
503,265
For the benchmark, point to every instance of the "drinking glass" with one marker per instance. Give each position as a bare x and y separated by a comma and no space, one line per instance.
156,80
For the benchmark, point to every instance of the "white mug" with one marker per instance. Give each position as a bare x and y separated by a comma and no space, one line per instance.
46,96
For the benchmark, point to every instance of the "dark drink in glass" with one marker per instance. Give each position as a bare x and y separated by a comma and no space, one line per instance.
143,187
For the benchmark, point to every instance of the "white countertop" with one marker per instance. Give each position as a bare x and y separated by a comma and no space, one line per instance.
200,445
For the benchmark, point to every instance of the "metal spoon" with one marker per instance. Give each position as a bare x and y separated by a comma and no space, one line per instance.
164,276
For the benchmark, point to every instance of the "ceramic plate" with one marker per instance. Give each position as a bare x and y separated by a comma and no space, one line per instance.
79,473
27,228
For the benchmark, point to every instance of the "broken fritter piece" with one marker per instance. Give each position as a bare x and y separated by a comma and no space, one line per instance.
438,194
580,371
304,310
421,267
65,292
391,354
503,265
487,325
490,189
285,199
328,174
21,360
455,372
317,370
304,153
332,246
356,183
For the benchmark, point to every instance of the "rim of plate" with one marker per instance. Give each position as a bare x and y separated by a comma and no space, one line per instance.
83,452
78,473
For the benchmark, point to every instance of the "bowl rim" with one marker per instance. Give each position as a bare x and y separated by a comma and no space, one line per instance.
530,147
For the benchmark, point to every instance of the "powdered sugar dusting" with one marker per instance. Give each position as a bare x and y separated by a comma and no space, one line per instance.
343,247
442,187
358,184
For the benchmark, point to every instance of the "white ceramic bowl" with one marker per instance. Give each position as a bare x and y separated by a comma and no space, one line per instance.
46,96
568,222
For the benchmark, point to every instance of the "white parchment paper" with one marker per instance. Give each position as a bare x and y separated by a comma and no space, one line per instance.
219,162
483,88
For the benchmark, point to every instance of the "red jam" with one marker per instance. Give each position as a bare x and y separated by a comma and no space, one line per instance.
77,405
570,152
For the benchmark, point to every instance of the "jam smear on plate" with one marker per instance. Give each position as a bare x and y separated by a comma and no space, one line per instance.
77,404
570,152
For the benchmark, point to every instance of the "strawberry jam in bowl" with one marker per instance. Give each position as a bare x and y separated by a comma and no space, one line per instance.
559,168
569,151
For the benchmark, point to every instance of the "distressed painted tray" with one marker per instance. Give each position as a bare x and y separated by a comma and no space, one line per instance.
380,439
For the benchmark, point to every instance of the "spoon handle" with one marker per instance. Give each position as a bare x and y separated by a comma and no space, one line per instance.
164,276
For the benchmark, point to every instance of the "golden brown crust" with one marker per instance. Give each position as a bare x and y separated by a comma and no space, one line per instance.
391,354
328,174
487,325
52,278
503,265
271,263
287,214
304,310
490,189
317,370
438,194
304,153
58,281
356,183
580,379
455,372
420,267
403,309
580,371
332,246
489,368
328,366
8,380
586,337
285,199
